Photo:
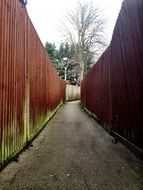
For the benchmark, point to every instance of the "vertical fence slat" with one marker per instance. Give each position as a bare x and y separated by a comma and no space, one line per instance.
28,81
113,89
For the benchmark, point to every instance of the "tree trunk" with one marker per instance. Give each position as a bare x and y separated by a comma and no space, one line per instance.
81,74
81,65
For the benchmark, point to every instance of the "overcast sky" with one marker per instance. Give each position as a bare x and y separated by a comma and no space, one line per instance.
47,16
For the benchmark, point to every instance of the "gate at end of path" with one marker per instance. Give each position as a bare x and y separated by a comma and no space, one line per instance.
72,92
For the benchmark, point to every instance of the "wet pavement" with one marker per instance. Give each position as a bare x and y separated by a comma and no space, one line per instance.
73,152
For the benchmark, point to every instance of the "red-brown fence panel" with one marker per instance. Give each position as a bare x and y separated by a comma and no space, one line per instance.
30,89
113,89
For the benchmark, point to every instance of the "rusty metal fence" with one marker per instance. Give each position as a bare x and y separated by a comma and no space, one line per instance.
113,89
30,89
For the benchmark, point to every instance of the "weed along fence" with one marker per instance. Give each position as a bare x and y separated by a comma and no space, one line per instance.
30,89
113,89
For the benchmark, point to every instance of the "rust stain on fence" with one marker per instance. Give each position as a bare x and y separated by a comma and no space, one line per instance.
30,89
113,89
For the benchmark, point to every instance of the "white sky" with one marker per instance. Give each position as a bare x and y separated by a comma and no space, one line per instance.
48,15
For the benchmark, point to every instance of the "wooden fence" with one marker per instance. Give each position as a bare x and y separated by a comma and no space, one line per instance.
113,89
30,89
72,92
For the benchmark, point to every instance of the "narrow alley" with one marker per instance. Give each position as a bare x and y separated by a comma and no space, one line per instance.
73,152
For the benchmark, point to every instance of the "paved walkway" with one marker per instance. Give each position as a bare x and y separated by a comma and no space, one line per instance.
74,153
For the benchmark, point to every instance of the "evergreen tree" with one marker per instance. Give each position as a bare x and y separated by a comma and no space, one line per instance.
52,52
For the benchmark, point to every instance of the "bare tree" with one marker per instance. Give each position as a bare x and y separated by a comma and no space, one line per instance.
85,31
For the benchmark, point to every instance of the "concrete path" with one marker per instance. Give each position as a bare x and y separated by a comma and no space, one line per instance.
74,153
